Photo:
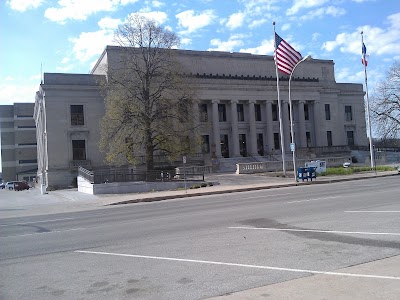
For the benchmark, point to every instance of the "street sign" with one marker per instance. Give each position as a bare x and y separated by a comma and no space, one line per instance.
292,147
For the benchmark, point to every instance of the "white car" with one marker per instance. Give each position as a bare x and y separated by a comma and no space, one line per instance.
10,185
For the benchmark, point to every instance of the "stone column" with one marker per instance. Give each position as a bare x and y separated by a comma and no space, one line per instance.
286,124
234,127
253,134
302,125
317,124
197,123
216,131
270,128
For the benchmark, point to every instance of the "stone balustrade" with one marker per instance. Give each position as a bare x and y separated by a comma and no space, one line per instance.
276,166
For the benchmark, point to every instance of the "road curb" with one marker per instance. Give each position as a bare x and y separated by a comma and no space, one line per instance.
246,189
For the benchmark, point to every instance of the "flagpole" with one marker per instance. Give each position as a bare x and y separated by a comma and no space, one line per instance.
279,109
371,150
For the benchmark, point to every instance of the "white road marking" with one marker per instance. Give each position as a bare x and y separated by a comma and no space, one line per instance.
240,265
317,231
45,221
314,199
267,196
36,233
372,211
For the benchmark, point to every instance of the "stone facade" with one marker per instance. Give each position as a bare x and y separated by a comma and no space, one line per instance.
18,142
68,108
237,109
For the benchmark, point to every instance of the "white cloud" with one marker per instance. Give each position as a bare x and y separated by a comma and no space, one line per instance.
186,41
235,20
36,77
260,7
65,69
19,91
80,10
157,16
109,23
257,23
266,47
321,12
23,5
229,45
285,27
300,4
378,41
191,22
90,44
157,4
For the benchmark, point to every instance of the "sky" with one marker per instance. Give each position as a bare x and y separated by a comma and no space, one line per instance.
68,36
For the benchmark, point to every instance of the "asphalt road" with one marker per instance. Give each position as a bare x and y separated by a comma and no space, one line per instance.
202,247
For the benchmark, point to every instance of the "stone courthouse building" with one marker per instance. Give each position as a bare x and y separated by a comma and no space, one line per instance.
237,109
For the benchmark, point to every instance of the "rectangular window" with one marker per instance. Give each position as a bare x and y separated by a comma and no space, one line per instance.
240,112
348,113
24,116
203,112
222,112
260,144
27,161
277,143
257,111
306,113
78,150
308,138
77,117
205,143
26,126
274,113
27,144
327,112
329,138
350,138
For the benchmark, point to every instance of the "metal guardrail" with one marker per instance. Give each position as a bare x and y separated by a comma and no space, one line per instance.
126,175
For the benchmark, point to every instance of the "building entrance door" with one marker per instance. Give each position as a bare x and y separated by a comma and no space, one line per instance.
242,145
224,145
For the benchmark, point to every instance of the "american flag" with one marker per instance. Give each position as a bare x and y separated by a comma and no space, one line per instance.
286,57
364,57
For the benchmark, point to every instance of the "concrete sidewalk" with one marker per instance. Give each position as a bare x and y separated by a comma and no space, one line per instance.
30,203
347,283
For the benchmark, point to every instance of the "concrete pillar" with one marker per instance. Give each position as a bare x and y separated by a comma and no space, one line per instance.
234,127
216,131
317,124
302,126
286,125
253,134
270,128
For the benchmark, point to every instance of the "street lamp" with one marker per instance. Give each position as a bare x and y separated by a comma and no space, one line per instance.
292,145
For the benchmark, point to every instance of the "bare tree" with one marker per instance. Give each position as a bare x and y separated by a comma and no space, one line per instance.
149,101
385,104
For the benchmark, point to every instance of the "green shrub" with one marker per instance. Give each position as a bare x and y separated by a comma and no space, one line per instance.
352,170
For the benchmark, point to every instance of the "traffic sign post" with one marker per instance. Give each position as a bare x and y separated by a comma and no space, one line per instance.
184,172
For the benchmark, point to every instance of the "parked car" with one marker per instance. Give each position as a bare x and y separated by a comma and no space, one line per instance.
2,185
21,185
10,185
